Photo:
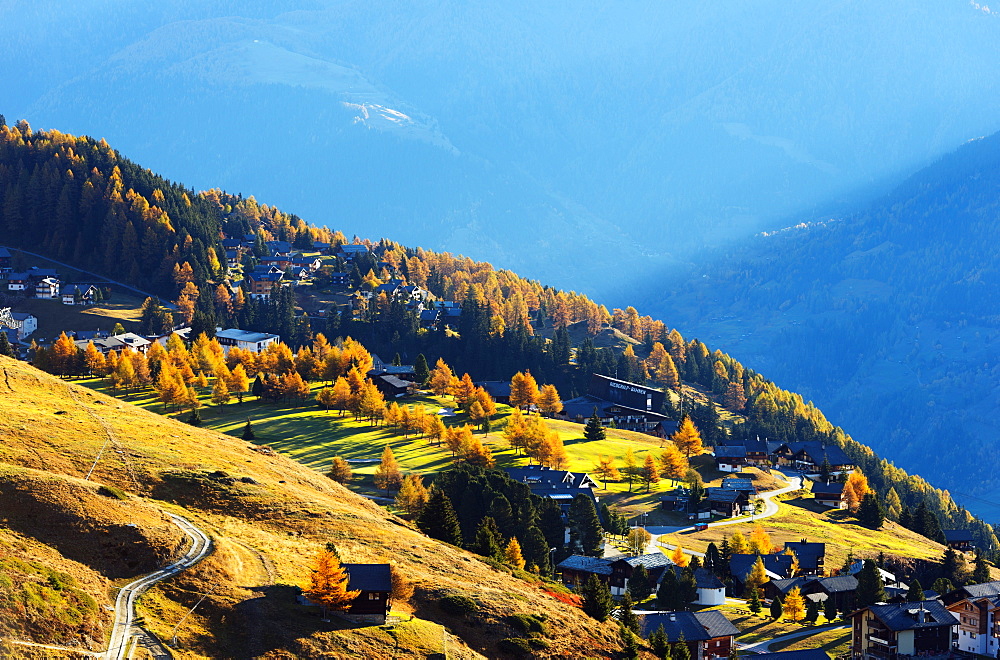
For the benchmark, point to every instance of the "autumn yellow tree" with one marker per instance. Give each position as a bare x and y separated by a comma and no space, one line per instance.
738,544
340,470
475,452
606,469
516,430
412,495
463,391
441,376
794,606
678,556
186,302
387,474
523,390
759,541
220,392
855,490
687,438
630,466
649,472
672,462
512,554
326,398
757,576
328,584
549,402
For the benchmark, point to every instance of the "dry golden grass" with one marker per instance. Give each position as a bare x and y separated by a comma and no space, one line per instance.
268,527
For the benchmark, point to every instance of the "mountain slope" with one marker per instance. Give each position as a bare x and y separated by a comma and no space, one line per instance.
704,122
268,516
885,318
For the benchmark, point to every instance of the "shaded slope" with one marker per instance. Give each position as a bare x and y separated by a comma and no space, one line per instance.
885,318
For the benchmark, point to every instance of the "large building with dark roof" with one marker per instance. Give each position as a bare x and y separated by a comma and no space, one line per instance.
893,632
708,634
625,405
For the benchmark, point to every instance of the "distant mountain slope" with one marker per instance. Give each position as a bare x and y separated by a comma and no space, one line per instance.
887,319
520,133
267,515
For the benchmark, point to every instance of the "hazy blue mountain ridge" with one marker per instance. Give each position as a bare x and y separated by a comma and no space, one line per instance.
887,319
632,134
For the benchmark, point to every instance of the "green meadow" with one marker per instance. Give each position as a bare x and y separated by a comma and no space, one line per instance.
313,436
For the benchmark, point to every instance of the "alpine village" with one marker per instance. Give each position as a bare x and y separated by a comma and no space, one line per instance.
228,433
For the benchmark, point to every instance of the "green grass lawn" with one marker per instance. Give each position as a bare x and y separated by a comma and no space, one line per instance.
760,627
834,642
313,436
55,317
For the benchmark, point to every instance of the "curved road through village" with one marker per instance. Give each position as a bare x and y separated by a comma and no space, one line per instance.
123,631
770,509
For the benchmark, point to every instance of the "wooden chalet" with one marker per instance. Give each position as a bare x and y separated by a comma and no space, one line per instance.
897,631
708,634
810,556
575,569
374,581
841,589
831,494
727,502
393,387
730,458
977,607
959,539
498,389
623,567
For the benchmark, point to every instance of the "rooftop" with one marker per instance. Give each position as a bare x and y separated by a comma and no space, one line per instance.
369,577
245,335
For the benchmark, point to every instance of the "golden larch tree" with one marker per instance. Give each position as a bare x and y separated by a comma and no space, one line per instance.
512,554
441,377
759,541
687,438
855,490
672,462
757,576
523,390
649,473
606,469
328,584
548,400
678,556
387,474
794,606
738,544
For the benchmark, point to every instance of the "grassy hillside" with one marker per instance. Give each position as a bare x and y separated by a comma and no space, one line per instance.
268,516
313,437
800,518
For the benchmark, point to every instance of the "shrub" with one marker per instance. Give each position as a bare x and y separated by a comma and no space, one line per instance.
111,491
527,623
515,646
458,605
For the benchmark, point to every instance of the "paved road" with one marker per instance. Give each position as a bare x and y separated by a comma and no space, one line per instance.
770,509
765,646
122,631
98,277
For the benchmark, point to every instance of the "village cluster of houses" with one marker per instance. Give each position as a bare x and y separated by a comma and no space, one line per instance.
961,623
44,284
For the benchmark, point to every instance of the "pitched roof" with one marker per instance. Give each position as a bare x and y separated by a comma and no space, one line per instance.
730,452
787,584
910,616
833,489
394,381
244,335
495,388
716,623
4,252
957,535
741,565
727,495
369,577
674,625
817,450
838,583
801,654
651,560
738,484
983,590
585,564
808,554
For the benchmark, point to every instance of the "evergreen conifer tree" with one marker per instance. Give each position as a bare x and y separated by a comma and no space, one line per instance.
688,588
639,585
915,593
755,605
870,512
680,650
585,532
597,601
812,611
5,347
626,617
438,519
775,608
871,589
488,540
942,586
659,643
248,433
981,572
668,593
593,431
830,609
